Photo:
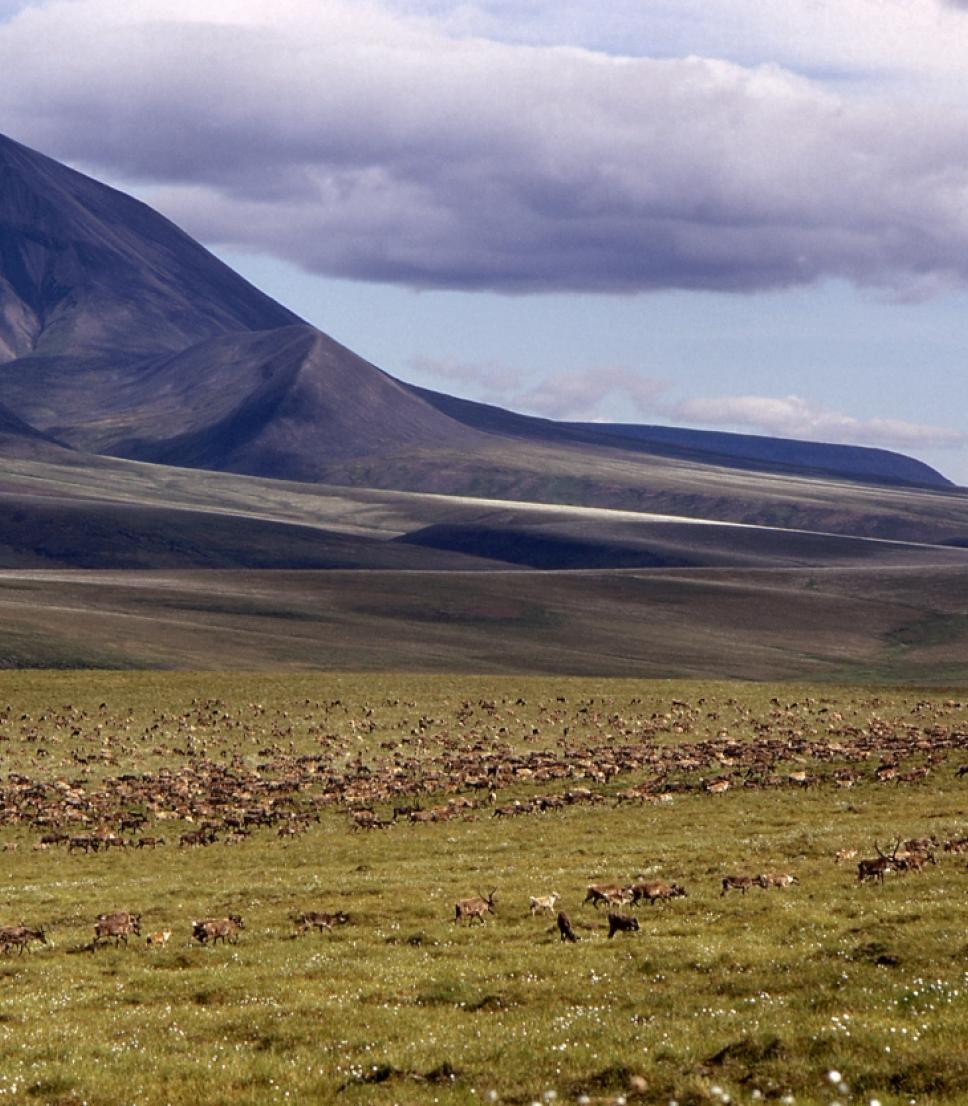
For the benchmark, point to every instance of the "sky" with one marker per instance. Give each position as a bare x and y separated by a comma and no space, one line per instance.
745,215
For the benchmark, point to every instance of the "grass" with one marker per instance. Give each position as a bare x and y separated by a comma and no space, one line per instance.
757,995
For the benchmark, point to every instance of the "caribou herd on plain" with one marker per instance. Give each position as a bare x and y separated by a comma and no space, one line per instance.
117,926
468,761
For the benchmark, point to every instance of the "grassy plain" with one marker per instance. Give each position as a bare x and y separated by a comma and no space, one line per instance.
888,624
748,996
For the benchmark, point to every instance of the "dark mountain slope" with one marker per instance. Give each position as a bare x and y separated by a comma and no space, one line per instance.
20,439
14,426
283,404
85,269
54,532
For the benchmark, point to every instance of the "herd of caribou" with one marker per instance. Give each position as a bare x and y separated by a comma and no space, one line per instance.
204,791
905,856
119,925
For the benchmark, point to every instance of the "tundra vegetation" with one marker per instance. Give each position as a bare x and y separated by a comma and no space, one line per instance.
754,997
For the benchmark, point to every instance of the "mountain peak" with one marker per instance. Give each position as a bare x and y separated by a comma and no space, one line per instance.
86,269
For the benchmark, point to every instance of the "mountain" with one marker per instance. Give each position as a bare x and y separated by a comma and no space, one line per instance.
121,336
87,270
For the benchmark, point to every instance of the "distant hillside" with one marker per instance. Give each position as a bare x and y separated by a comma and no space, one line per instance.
709,446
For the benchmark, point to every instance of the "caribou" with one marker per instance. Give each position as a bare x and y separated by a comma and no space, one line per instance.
619,923
766,880
877,867
564,927
539,903
655,891
315,919
474,908
120,925
218,929
19,937
608,893
737,883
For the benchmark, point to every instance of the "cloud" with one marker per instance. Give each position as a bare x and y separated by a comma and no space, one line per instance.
580,395
596,394
393,142
795,417
489,382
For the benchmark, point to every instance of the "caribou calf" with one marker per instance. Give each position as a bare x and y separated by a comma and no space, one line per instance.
159,939
608,893
544,902
776,879
474,908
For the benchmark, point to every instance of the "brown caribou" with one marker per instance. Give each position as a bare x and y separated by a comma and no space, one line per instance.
120,925
737,883
655,891
474,908
608,893
877,867
218,929
19,937
564,927
315,919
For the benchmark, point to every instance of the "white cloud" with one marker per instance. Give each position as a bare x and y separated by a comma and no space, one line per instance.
594,394
383,141
795,417
488,382
579,395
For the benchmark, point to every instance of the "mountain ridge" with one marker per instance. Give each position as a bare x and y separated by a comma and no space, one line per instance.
712,446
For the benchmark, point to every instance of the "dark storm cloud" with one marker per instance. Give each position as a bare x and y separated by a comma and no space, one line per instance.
369,145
